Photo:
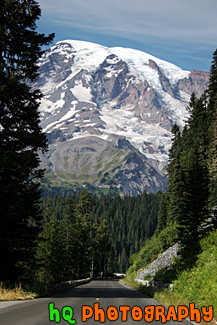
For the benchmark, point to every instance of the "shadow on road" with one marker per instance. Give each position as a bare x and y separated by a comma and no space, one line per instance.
100,289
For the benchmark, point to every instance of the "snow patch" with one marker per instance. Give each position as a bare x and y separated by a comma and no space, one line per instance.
137,60
48,87
82,93
124,123
68,115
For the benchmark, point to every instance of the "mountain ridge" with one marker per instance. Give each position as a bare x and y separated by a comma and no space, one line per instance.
103,95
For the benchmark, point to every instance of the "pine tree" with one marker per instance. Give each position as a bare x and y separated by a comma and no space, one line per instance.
212,89
196,161
212,150
176,188
21,136
51,251
69,231
82,233
162,214
189,177
196,202
101,248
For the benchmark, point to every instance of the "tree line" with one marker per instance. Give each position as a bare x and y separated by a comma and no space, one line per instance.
71,246
192,171
127,221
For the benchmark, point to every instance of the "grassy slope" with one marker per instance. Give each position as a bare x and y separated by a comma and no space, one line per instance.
197,284
153,248
90,166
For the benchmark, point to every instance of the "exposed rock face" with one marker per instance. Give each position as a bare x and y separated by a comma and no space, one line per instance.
108,113
162,262
197,82
165,83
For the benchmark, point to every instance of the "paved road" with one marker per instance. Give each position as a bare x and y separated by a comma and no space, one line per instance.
106,293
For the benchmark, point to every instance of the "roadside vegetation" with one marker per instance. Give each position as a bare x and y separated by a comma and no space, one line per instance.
194,283
16,293
197,284
153,248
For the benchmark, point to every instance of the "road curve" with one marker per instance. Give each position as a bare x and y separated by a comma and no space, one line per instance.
105,292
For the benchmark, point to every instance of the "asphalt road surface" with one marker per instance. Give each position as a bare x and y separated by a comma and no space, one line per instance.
105,292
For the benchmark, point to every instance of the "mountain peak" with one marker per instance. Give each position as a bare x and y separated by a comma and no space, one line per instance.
95,91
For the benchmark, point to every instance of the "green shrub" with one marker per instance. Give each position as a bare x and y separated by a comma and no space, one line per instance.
153,248
147,277
166,275
197,284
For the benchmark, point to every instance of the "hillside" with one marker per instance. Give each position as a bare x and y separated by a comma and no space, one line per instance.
194,283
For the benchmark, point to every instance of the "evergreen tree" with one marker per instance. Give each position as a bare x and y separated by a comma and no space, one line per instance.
176,188
189,177
212,89
162,214
197,173
69,231
212,150
82,233
196,202
21,136
124,261
101,248
51,251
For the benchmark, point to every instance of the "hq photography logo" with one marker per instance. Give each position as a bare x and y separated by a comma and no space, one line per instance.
148,313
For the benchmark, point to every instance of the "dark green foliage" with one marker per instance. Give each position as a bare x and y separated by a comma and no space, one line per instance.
20,135
121,223
71,246
188,189
212,90
176,183
189,285
212,149
51,251
101,249
152,249
68,226
82,233
166,275
162,214
192,169
195,166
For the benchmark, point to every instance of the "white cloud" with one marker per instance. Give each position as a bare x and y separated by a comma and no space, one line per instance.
163,28
184,19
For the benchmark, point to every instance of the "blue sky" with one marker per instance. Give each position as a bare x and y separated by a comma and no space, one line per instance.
183,32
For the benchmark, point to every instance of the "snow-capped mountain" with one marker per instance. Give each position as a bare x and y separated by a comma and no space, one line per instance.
108,113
